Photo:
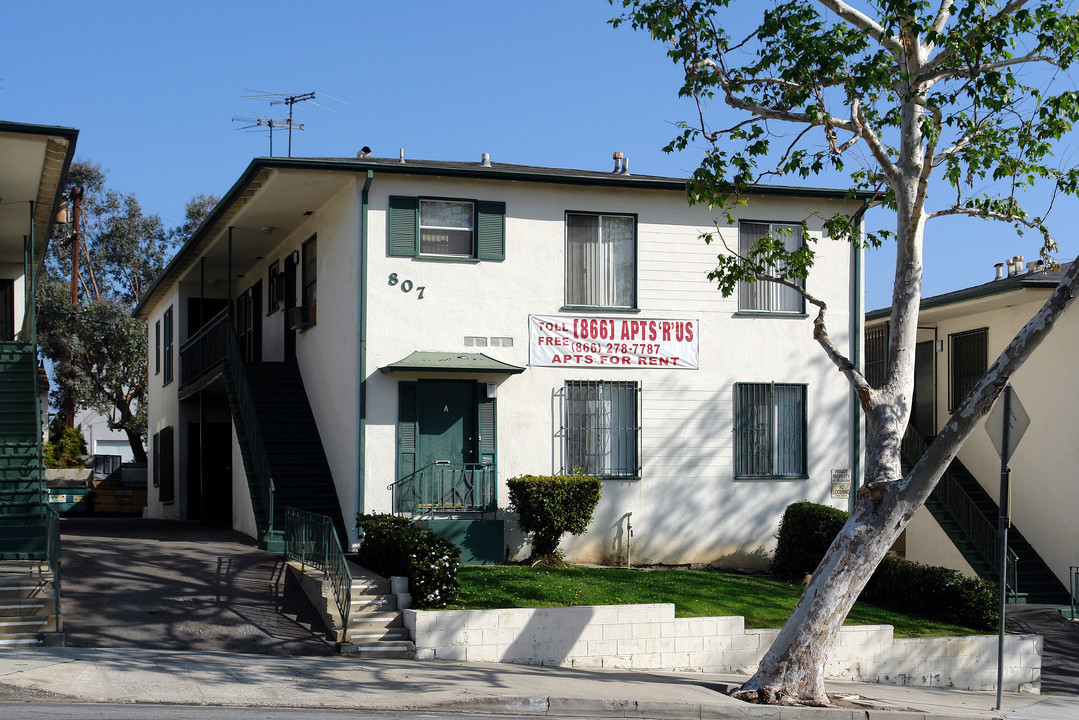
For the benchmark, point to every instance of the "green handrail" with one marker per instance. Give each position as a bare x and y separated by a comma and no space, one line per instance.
52,554
245,416
458,487
310,539
976,528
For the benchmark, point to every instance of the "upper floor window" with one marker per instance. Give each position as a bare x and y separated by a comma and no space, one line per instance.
309,271
157,347
601,260
275,287
168,347
968,358
447,228
762,295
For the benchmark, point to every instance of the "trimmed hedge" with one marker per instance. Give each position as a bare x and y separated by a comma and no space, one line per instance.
936,593
549,506
393,546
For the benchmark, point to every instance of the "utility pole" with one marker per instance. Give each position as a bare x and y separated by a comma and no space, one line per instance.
76,217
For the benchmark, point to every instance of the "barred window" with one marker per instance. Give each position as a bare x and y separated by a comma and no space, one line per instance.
876,354
968,359
602,428
770,430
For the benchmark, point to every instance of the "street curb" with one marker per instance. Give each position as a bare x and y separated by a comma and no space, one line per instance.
587,707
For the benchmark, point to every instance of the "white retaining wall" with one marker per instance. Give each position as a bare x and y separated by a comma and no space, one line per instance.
649,637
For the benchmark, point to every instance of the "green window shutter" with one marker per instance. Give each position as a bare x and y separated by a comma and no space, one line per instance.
487,425
407,429
490,230
403,226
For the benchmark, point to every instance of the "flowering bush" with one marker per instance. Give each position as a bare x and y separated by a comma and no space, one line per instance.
393,546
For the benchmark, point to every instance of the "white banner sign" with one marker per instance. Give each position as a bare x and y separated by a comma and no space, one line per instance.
559,341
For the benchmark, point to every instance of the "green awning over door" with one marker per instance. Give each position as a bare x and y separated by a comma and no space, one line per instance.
477,363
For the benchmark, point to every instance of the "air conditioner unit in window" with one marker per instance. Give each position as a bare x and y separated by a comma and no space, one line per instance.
301,317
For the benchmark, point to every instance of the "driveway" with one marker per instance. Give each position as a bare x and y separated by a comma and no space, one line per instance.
176,586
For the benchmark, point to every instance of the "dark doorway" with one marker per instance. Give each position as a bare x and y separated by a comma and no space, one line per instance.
7,310
201,311
209,474
922,413
446,417
290,302
249,323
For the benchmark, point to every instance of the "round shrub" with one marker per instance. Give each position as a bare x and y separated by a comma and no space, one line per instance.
393,546
805,532
549,506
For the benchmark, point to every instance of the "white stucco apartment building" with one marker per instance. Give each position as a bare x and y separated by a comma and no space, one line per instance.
960,334
450,325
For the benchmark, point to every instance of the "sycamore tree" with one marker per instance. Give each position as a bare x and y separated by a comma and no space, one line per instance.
934,109
97,349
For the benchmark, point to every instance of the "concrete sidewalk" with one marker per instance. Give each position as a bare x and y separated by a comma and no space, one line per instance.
176,677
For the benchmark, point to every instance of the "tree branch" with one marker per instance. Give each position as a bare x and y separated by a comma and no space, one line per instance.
968,39
864,22
970,71
943,14
985,214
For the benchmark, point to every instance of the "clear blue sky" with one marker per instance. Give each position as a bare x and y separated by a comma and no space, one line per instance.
153,88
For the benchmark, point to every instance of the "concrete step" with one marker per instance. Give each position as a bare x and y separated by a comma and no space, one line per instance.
372,603
370,586
369,635
26,608
24,625
397,650
375,619
20,639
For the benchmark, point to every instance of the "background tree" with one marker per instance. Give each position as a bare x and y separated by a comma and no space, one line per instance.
98,351
965,98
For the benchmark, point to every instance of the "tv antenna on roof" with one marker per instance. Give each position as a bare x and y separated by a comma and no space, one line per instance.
292,100
256,124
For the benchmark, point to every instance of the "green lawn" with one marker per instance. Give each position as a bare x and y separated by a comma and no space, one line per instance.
764,602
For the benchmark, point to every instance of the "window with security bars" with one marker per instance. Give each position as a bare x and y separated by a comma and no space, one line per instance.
770,430
763,295
876,354
602,427
968,361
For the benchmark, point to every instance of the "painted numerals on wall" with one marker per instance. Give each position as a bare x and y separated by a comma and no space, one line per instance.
407,286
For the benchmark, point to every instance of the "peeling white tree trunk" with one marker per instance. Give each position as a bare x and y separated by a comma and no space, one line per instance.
792,672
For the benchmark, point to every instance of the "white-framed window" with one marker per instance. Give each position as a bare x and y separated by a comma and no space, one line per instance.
601,428
601,260
769,430
446,228
762,295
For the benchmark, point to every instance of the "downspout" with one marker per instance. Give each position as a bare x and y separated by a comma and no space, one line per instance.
857,339
362,399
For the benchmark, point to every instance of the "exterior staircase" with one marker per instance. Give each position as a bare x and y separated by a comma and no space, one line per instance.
969,516
375,625
28,600
23,496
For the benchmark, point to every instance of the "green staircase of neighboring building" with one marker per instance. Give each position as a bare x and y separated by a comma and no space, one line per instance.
969,516
23,496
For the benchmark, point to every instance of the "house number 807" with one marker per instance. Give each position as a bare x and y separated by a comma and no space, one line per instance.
407,286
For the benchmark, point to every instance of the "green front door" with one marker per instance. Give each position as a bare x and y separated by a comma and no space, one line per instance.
445,415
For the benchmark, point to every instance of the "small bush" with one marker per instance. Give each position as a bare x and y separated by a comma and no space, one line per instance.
936,593
548,507
393,546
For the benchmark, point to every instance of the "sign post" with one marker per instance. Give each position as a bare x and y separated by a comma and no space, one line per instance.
1006,424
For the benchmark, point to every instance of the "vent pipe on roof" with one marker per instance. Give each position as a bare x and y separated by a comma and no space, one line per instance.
1019,269
402,160
486,160
617,162
1035,266
625,166
999,267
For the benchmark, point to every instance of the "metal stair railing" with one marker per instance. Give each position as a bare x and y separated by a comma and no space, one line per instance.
1073,589
981,532
458,487
52,555
244,412
310,539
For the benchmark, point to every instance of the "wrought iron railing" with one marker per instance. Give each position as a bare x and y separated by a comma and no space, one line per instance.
449,487
311,540
205,350
52,555
245,417
977,529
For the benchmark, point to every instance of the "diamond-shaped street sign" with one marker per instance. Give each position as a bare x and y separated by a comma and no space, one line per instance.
1018,422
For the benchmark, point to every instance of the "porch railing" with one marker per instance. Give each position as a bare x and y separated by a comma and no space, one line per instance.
447,487
977,529
52,555
205,350
311,540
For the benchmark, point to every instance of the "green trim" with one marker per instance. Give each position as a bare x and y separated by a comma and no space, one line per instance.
771,477
597,308
362,295
857,321
426,362
762,314
448,259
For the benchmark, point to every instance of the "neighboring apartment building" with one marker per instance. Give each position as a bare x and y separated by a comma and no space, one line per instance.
382,335
959,335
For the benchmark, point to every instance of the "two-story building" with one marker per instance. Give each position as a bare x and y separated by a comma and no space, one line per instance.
392,335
